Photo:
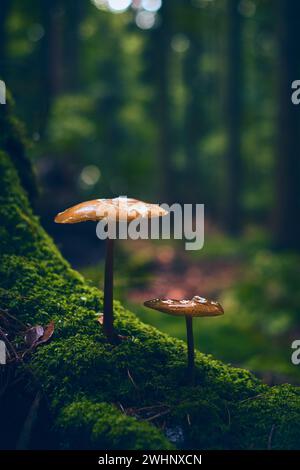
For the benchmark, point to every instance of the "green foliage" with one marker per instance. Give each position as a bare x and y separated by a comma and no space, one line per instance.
112,119
71,124
83,376
269,295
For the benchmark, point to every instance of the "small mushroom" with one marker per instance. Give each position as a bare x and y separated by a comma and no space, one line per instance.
119,209
195,307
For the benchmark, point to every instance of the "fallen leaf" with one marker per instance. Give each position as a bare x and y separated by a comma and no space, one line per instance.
33,335
48,332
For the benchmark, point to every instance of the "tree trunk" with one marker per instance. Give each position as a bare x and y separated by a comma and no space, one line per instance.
3,16
74,12
52,57
287,198
160,63
192,125
233,116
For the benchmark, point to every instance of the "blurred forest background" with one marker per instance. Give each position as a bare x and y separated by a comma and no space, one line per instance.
173,101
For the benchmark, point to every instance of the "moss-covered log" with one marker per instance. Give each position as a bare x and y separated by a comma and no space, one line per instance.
13,141
106,397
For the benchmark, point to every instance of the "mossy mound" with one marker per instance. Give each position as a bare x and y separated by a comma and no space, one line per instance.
13,141
133,395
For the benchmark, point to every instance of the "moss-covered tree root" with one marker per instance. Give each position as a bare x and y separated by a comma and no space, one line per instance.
132,395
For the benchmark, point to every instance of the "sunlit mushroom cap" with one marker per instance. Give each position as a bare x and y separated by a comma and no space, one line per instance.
119,208
195,307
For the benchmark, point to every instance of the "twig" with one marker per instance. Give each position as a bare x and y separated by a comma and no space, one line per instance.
151,407
252,398
19,359
158,415
131,379
270,437
229,415
122,407
6,313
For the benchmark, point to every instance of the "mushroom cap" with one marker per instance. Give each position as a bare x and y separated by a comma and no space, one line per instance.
119,208
195,307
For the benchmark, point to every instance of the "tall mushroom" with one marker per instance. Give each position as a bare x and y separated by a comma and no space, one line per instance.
120,209
195,307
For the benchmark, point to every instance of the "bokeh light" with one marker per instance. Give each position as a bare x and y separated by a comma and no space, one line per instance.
35,32
119,5
151,5
100,4
247,8
180,43
145,19
89,176
136,4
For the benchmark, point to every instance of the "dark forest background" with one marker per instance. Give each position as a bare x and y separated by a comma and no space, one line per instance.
173,101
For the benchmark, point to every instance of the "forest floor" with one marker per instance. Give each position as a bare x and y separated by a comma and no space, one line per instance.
159,269
176,275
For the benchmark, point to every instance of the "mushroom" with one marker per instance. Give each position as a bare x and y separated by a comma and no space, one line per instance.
195,307
120,209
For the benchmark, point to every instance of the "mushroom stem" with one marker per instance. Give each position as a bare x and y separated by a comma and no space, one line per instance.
190,344
108,316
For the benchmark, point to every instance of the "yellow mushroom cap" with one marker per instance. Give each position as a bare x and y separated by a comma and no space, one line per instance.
195,307
119,209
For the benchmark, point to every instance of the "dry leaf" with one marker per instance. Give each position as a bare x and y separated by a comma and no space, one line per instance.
49,330
33,335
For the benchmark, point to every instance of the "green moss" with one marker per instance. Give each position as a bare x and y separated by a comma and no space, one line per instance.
102,426
271,419
105,396
13,141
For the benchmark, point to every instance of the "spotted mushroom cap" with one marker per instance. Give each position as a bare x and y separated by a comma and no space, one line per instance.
119,208
195,307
